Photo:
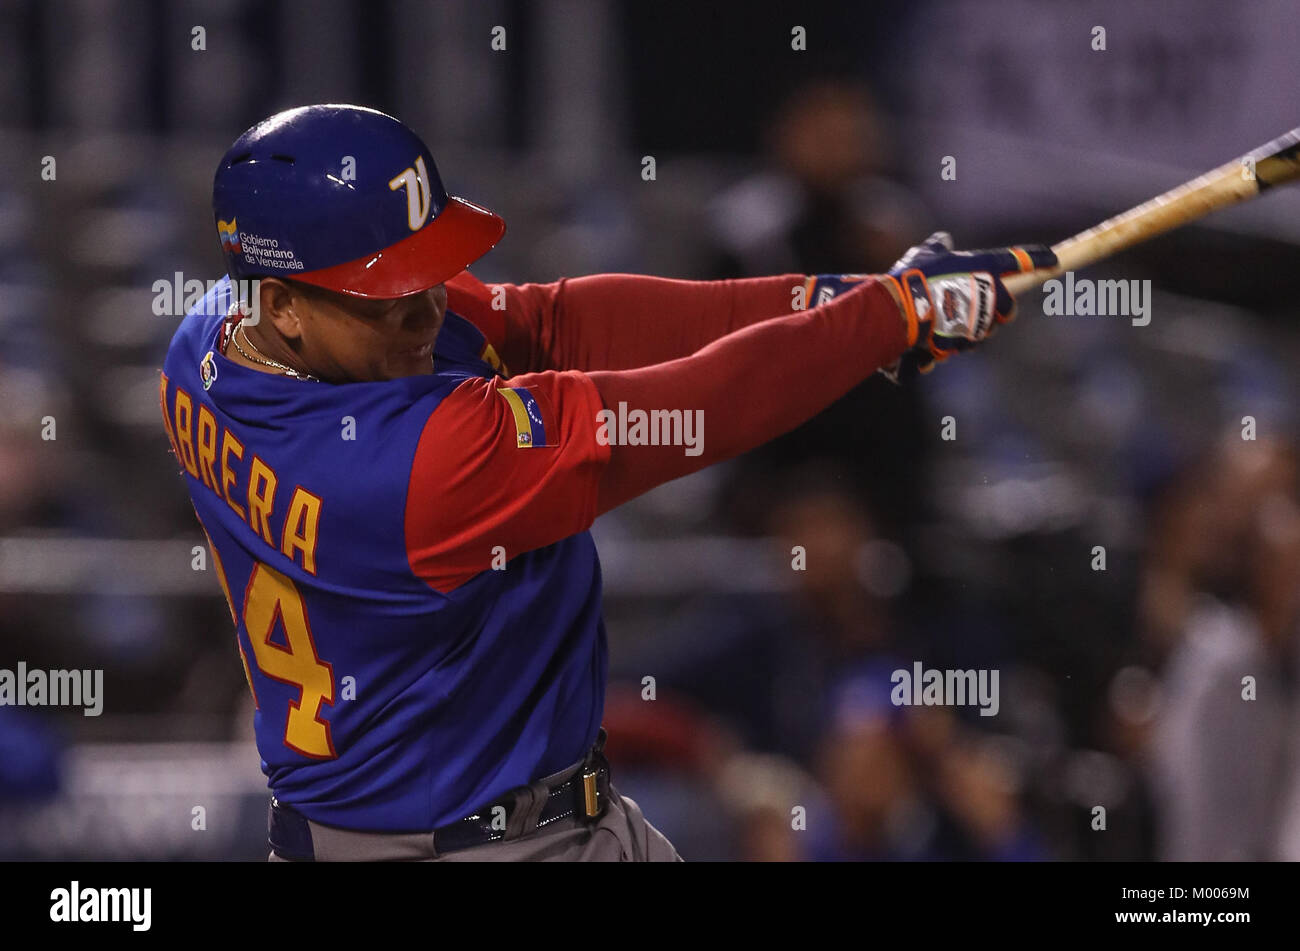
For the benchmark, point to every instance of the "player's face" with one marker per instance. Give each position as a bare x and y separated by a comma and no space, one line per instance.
352,339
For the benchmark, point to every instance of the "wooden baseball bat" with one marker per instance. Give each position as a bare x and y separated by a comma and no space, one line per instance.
1240,180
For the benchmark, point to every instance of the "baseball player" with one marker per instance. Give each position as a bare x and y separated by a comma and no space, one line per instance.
396,467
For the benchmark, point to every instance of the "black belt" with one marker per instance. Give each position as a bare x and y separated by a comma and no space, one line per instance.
585,794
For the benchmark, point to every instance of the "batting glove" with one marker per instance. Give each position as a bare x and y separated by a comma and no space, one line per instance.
953,300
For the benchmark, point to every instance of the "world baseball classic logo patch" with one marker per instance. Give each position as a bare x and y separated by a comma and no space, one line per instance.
208,370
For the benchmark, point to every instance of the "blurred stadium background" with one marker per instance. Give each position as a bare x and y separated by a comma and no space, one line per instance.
1119,688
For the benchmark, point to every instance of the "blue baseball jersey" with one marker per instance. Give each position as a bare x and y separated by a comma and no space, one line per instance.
416,597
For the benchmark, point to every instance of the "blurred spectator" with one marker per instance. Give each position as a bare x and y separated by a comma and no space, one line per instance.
766,664
773,802
878,807
821,206
1223,741
912,783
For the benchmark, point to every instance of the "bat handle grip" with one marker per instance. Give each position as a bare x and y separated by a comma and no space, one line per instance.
1071,254
1018,284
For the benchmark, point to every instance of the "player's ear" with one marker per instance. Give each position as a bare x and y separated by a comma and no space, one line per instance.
278,306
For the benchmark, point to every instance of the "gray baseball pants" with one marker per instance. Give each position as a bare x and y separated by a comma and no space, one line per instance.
622,834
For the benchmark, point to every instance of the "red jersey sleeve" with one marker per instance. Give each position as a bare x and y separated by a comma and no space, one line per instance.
502,465
615,321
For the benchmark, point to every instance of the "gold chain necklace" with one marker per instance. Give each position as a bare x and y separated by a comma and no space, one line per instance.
265,360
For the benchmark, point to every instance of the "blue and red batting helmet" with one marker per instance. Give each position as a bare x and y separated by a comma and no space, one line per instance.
345,198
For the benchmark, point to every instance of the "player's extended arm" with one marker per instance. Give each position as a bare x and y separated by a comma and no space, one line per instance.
752,385
620,321
757,383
